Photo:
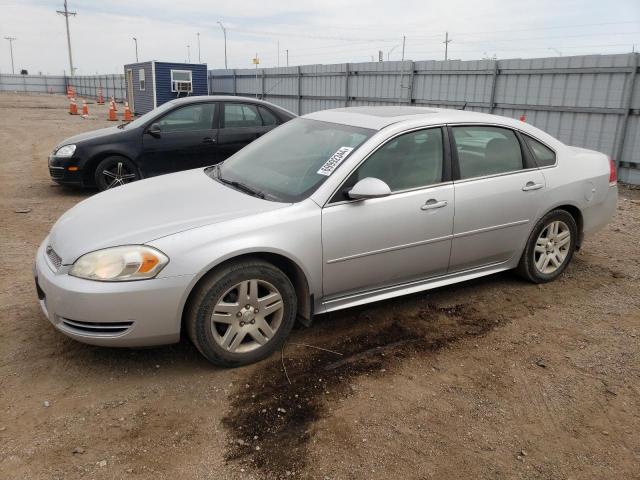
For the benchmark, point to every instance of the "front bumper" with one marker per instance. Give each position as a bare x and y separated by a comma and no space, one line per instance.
60,173
115,314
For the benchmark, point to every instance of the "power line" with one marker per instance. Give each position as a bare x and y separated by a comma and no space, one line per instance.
561,37
303,35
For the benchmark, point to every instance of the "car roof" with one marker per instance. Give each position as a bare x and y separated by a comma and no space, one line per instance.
377,118
227,98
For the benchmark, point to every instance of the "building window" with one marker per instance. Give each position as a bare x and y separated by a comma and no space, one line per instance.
181,81
141,78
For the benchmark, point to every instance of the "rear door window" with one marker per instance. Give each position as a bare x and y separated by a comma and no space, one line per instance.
241,115
268,118
543,155
485,150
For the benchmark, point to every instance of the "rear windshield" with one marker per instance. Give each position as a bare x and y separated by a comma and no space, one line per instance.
292,161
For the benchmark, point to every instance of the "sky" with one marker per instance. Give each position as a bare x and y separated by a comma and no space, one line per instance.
313,32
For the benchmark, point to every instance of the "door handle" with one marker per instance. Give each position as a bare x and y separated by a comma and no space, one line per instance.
532,186
432,204
208,140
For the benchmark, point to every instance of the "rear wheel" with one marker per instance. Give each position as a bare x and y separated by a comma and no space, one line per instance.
114,172
549,248
241,313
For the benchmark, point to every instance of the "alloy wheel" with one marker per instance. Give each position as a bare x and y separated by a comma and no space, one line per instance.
247,316
117,175
552,247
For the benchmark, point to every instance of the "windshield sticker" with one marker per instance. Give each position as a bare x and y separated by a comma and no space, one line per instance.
335,160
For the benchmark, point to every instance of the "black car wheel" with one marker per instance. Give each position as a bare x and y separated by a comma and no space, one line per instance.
114,172
241,313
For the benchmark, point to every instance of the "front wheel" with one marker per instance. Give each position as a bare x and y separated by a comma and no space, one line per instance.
549,248
241,313
114,172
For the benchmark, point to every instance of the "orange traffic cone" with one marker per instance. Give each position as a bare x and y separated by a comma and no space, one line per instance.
73,108
100,97
113,104
112,112
85,108
127,112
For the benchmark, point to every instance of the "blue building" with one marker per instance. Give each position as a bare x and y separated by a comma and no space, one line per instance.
150,84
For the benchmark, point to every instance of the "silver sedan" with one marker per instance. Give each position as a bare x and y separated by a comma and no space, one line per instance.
334,209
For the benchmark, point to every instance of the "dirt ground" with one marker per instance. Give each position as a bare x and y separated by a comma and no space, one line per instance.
494,378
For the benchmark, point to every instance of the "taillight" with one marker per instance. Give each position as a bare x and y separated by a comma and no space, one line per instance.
613,176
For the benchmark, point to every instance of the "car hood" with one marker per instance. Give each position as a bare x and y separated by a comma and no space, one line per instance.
92,135
146,210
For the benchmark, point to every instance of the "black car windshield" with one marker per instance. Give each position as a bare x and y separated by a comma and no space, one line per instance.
141,120
292,161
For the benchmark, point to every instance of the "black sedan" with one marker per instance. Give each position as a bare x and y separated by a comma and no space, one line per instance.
181,134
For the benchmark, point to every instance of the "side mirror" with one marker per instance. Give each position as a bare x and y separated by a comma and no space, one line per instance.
154,130
369,188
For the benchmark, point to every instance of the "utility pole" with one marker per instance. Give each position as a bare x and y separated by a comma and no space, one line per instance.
66,13
11,40
188,53
446,42
404,40
278,62
287,50
198,47
136,41
224,32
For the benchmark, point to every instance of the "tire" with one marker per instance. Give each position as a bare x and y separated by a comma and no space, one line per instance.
115,171
548,252
222,326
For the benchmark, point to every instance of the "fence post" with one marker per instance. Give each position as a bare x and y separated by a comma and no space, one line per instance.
299,90
494,81
346,84
411,79
628,98
409,87
235,84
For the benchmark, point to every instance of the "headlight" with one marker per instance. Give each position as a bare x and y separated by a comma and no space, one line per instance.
117,264
66,151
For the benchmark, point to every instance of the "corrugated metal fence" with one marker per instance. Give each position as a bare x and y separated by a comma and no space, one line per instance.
111,85
33,83
588,101
86,86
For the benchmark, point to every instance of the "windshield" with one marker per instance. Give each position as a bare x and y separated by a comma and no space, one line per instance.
141,120
293,160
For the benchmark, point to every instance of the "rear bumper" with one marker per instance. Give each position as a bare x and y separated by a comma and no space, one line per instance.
116,314
599,215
